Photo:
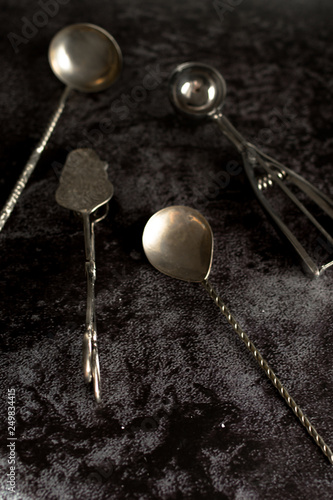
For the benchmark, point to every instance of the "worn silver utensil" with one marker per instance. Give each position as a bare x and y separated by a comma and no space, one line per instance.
86,58
84,188
178,241
198,91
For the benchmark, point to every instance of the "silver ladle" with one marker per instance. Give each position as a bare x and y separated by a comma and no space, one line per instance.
84,57
178,241
198,91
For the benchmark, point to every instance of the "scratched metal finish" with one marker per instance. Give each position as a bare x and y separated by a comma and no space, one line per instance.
84,184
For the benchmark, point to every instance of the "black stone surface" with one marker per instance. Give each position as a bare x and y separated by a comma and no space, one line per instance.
186,413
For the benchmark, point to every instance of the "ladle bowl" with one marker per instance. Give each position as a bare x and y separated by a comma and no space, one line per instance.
178,241
74,46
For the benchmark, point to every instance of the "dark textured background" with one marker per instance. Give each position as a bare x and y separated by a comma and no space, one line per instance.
186,413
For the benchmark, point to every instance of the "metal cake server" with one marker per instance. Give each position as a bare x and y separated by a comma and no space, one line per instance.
84,57
198,91
84,188
178,241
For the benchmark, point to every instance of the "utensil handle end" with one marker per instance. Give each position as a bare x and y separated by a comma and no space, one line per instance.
32,162
269,372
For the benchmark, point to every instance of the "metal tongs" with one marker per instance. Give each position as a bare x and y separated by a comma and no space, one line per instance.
84,188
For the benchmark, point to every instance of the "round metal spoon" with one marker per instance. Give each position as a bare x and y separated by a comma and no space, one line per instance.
178,241
198,91
86,58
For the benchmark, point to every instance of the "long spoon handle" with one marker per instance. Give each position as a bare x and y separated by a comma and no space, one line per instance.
269,372
32,162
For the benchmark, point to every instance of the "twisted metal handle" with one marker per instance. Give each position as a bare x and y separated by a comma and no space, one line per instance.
32,162
269,372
